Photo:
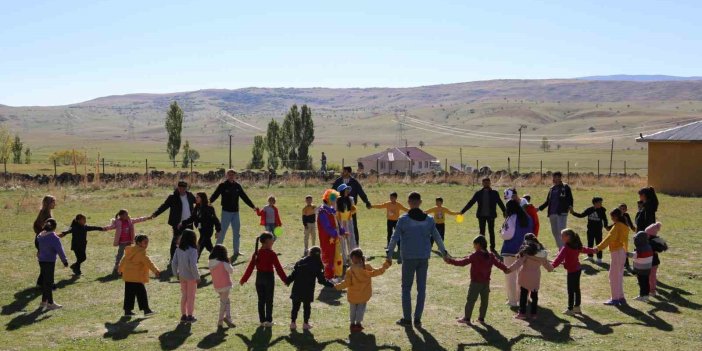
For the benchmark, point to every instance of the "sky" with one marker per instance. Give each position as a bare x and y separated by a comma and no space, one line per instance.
62,52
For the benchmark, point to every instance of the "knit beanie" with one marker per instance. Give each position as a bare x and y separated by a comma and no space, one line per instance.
652,230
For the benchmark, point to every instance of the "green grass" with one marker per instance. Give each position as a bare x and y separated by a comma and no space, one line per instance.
91,318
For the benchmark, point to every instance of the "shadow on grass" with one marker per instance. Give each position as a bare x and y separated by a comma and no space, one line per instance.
330,296
108,278
593,270
547,325
675,296
307,341
260,340
595,326
166,274
123,328
26,319
213,340
426,342
203,281
175,338
649,319
22,299
363,341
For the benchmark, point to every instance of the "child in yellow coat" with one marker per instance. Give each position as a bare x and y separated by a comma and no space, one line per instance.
134,268
360,288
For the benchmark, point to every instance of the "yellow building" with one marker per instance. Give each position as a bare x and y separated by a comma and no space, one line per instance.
675,159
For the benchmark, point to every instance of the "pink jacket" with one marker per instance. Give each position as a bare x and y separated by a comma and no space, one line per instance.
221,274
117,226
530,273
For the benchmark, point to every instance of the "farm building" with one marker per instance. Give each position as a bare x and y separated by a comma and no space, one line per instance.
399,160
675,159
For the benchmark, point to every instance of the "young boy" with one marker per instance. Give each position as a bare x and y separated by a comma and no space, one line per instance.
270,219
79,241
134,268
440,213
308,222
393,209
596,221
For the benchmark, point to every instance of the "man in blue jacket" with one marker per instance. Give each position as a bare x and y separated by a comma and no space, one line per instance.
356,192
559,202
488,199
414,230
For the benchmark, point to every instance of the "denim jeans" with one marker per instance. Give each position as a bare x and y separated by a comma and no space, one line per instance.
410,267
230,218
558,223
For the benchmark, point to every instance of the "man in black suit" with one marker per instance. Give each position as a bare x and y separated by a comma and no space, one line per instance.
356,191
488,200
181,205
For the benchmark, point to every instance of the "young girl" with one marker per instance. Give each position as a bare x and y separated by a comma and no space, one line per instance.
649,205
360,287
48,203
531,257
49,245
184,266
658,245
516,226
205,220
124,233
221,271
568,255
134,268
305,274
643,260
270,219
265,261
617,242
481,267
79,241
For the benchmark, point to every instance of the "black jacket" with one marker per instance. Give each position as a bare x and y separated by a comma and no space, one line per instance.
176,207
495,201
566,199
231,192
356,189
658,245
303,277
80,234
596,218
203,217
645,217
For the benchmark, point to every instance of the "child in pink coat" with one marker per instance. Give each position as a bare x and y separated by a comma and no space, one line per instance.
531,257
124,233
221,271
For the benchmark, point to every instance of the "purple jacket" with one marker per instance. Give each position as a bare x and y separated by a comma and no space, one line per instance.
49,246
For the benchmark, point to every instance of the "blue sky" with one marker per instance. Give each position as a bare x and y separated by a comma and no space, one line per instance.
60,52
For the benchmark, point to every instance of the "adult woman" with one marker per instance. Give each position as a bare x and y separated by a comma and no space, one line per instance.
48,203
515,228
647,210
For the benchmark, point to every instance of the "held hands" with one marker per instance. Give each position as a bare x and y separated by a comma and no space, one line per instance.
368,205
158,274
388,262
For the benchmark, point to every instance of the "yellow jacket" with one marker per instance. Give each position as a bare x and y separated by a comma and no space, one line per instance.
358,282
440,213
393,209
617,238
135,265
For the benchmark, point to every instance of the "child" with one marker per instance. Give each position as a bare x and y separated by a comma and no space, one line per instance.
647,208
643,260
124,233
221,270
439,212
184,266
568,255
269,216
205,219
308,222
533,213
329,235
596,221
265,261
79,241
531,257
49,245
134,268
480,270
627,218
517,225
617,242
48,203
658,245
304,274
393,209
360,288
344,212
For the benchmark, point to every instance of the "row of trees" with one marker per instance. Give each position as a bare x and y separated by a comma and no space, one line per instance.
174,128
13,147
287,145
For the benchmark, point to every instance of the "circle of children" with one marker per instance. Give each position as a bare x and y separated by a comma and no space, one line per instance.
339,263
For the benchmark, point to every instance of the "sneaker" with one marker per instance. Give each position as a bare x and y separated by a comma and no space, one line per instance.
521,316
569,312
599,261
267,324
183,319
611,303
359,326
293,326
404,322
622,301
399,261
229,323
149,313
417,324
463,321
43,304
192,319
577,309
306,326
481,320
641,298
262,325
53,306
129,314
220,325
652,293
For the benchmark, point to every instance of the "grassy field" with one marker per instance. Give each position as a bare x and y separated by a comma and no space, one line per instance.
91,317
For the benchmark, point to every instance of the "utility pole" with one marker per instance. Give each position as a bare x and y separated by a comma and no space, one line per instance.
519,155
230,149
611,156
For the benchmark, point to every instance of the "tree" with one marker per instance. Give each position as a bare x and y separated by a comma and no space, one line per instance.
297,135
545,145
5,143
421,143
189,154
17,147
27,156
273,144
257,152
174,126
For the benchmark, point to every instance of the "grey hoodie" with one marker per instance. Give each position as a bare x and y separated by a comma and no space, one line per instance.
184,264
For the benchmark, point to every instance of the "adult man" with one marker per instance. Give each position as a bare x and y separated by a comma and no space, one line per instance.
356,191
231,191
488,200
181,205
559,202
414,230
324,162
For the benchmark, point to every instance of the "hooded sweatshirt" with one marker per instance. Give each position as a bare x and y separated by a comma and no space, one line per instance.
221,274
414,231
643,253
358,282
184,264
49,245
530,273
135,265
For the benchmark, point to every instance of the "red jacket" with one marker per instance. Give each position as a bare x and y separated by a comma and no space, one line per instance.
262,213
265,261
531,211
570,258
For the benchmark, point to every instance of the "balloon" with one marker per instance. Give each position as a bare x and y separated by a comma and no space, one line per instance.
459,219
278,231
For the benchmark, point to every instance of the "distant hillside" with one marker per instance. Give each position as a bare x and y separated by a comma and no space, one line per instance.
640,78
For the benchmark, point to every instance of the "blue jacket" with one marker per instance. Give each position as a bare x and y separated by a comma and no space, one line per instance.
511,247
415,230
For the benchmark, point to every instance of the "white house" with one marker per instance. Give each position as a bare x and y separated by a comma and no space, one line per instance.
399,160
